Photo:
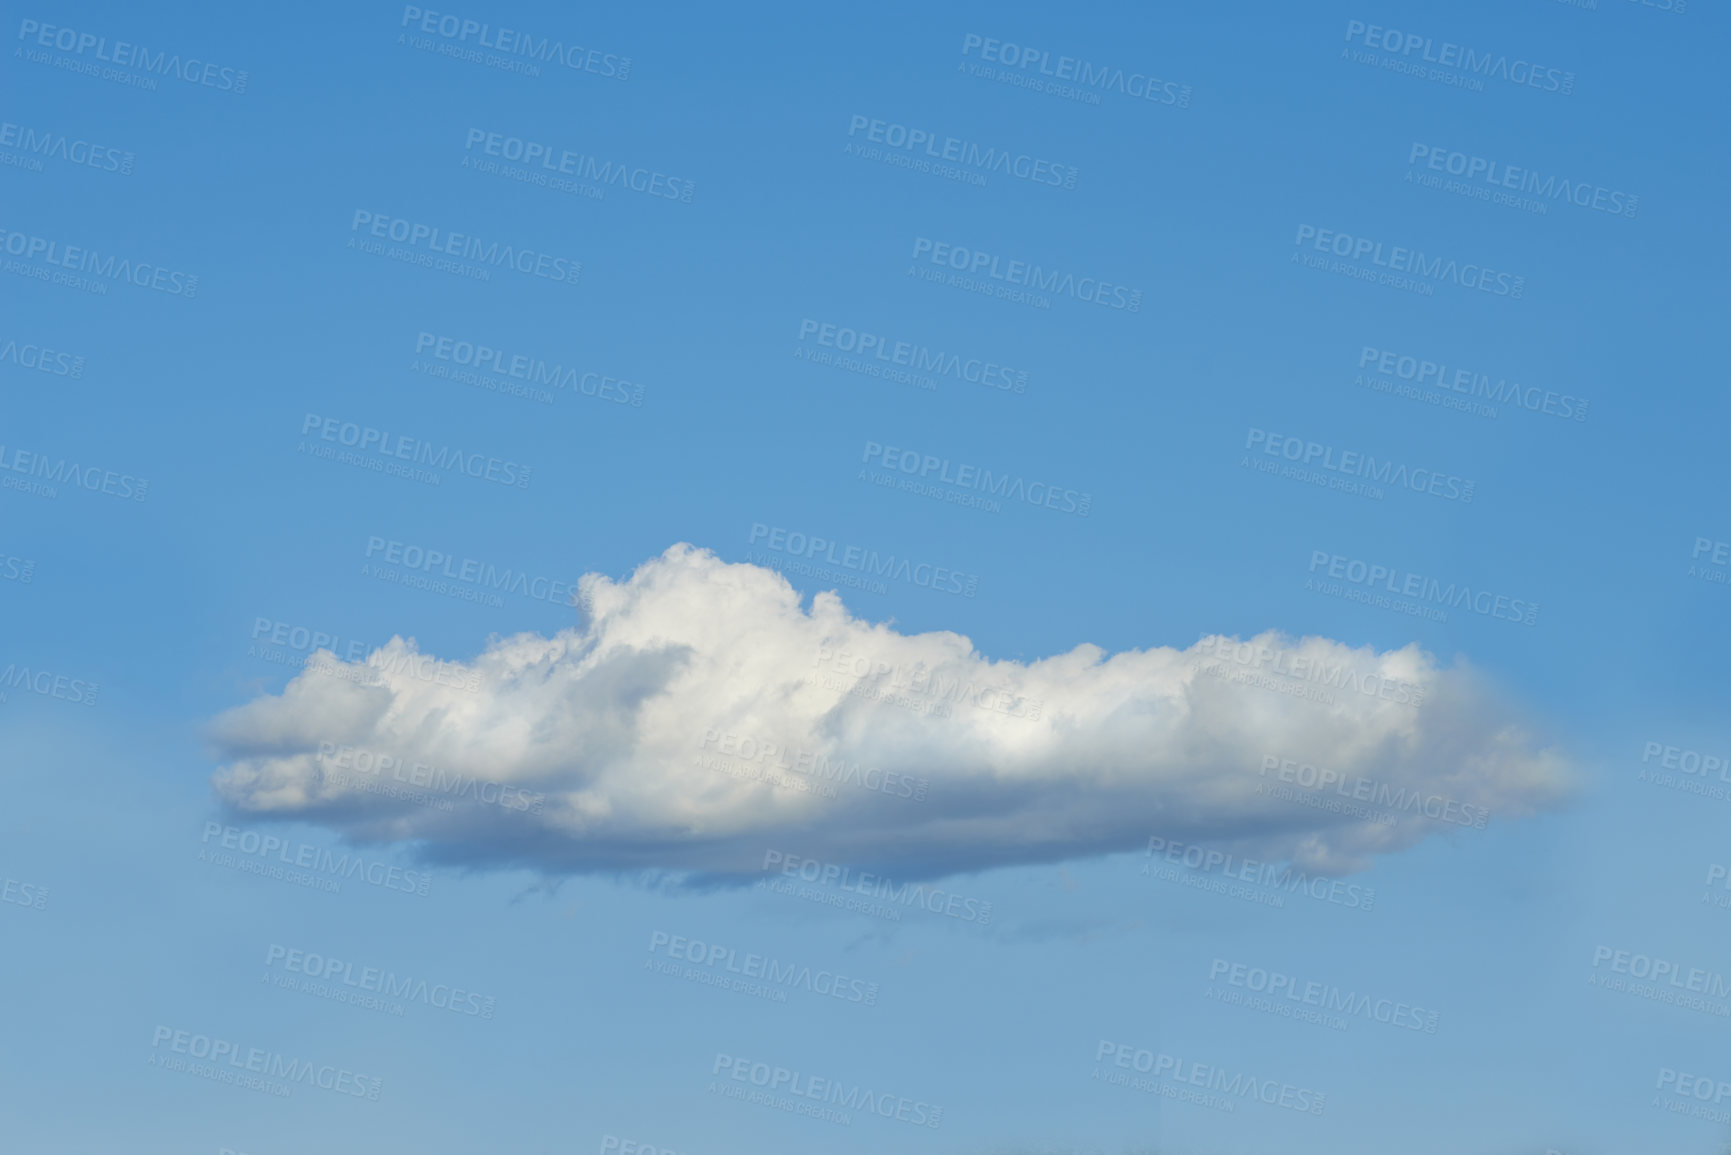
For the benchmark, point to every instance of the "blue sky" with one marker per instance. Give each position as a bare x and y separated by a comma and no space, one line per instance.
698,399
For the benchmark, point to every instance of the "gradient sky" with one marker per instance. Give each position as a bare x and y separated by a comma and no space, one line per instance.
1202,206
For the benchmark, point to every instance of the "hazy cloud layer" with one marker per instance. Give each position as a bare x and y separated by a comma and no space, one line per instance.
701,716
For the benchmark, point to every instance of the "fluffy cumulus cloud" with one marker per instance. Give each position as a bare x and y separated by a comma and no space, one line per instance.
701,715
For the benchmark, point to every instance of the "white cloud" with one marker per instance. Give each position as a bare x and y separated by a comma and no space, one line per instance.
612,740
